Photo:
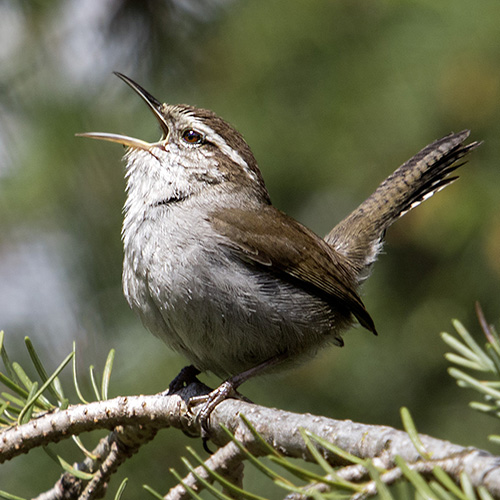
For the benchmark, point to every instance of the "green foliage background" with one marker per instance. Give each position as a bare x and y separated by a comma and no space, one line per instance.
332,96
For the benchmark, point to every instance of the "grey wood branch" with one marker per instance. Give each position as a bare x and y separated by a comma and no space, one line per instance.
226,461
107,456
279,428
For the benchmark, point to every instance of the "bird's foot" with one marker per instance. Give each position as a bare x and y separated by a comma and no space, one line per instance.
185,377
210,401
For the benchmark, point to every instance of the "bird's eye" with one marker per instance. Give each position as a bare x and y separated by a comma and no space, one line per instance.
193,137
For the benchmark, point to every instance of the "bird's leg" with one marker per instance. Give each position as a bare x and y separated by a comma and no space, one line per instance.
228,389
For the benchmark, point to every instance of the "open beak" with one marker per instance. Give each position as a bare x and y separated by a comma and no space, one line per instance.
132,142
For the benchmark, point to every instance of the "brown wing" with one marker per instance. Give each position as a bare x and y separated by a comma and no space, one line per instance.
270,238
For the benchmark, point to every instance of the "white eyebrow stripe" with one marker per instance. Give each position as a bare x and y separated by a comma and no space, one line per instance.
214,137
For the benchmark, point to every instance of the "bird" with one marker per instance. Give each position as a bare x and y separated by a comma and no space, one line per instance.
221,275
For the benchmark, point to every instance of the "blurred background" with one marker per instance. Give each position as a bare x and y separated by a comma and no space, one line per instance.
332,96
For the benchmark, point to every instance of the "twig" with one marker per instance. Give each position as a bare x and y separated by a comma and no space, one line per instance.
226,461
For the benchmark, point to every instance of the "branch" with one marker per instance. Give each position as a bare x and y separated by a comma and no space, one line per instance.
226,461
380,443
142,416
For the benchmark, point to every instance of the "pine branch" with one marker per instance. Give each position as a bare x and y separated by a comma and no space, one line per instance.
144,415
226,461
109,454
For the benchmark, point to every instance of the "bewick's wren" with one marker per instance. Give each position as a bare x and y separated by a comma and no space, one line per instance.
219,274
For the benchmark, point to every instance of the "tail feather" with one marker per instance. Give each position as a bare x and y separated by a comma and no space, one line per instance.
359,237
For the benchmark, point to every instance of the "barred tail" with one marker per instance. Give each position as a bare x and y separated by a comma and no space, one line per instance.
360,236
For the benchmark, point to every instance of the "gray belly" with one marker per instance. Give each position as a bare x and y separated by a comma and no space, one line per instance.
226,315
